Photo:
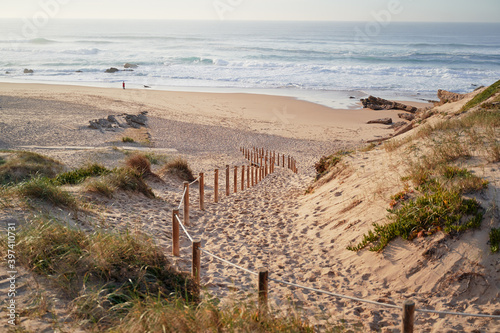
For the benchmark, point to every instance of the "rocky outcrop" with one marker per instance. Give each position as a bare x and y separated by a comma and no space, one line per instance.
112,70
406,116
385,121
449,97
128,65
28,71
118,122
377,103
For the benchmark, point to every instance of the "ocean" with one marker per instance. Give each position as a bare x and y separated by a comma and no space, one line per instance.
324,62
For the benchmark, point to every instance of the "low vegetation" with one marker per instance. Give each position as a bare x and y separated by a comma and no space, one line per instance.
122,282
495,240
483,96
178,167
127,139
79,175
22,165
326,163
140,164
42,188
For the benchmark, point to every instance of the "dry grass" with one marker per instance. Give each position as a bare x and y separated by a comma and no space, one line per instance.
178,167
23,165
139,163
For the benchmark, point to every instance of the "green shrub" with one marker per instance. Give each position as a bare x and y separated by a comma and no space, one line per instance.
483,96
495,240
79,175
127,139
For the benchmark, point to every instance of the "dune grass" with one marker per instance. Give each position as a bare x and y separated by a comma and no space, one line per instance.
23,165
178,167
79,175
122,282
495,240
483,96
139,163
42,188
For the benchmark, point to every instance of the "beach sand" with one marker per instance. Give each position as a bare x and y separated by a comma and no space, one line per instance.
300,238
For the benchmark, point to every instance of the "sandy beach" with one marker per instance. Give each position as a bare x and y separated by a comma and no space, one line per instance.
301,238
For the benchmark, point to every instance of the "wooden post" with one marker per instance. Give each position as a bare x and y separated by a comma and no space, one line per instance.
248,176
216,186
201,184
175,233
265,167
186,204
263,289
408,316
278,159
235,179
242,177
196,264
227,180
283,158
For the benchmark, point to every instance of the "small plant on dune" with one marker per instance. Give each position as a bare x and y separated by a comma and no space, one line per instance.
483,96
23,165
495,240
100,186
140,164
129,180
79,175
127,139
326,163
43,189
180,168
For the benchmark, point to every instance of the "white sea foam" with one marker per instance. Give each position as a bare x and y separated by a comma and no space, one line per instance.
404,58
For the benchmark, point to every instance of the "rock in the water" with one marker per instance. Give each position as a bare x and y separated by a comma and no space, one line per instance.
112,70
377,103
449,97
406,116
128,65
385,121
28,71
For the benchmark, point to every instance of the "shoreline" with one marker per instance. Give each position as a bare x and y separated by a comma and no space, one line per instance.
266,114
335,99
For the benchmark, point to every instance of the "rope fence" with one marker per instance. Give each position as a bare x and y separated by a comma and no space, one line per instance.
262,163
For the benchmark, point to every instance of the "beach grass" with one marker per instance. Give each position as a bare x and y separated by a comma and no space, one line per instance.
42,188
178,167
79,175
22,165
122,282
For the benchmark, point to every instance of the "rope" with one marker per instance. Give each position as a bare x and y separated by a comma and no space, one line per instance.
194,181
184,228
337,295
228,262
458,313
182,199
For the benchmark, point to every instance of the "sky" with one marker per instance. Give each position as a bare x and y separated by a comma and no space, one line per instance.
325,10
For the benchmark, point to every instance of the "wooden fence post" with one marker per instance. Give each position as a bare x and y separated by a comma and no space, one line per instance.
263,289
216,186
186,204
408,316
227,180
242,177
201,183
196,263
175,233
235,179
265,167
283,158
248,176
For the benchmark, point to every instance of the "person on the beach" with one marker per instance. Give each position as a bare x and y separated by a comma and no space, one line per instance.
123,84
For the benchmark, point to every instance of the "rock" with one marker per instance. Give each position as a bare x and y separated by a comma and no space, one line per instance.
406,116
112,70
7,72
448,96
377,103
78,71
385,121
128,65
128,70
28,71
140,119
398,125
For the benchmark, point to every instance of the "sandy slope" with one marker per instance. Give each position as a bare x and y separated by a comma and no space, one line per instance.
299,237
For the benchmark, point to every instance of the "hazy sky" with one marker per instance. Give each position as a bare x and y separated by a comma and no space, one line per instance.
335,10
